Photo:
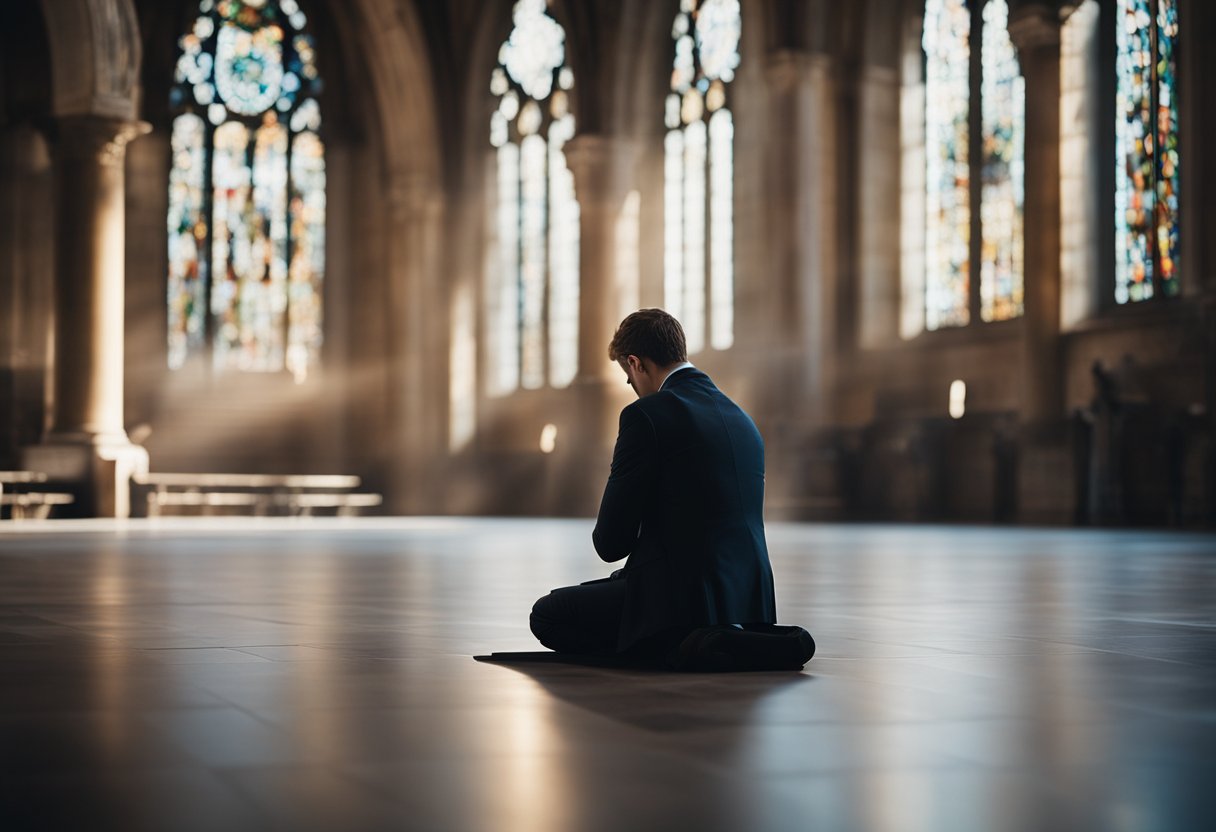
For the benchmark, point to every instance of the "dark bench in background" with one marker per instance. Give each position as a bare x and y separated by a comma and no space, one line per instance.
257,494
26,495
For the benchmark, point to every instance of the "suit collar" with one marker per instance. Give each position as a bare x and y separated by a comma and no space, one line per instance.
667,378
679,375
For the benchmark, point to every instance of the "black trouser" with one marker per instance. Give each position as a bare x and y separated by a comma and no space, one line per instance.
580,619
586,619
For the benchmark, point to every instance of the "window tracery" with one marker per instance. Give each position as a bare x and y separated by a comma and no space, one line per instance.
246,219
533,287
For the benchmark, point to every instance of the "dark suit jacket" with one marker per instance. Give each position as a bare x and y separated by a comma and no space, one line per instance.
684,501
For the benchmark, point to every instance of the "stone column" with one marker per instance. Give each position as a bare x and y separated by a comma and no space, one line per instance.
87,442
590,159
597,163
1035,30
800,321
26,286
417,365
797,341
1045,465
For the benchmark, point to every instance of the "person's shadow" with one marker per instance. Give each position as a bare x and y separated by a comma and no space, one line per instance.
650,697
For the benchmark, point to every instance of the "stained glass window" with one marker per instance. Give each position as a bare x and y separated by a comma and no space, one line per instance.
532,286
1002,136
1146,150
698,262
246,217
952,273
947,44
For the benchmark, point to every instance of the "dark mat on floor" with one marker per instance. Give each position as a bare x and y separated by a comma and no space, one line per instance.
549,657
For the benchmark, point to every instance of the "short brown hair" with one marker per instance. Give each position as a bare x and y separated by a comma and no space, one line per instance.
650,333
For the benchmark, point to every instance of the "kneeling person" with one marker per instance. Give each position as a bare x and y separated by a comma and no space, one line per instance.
684,502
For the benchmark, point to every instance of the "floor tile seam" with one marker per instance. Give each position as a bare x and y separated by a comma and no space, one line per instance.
1203,717
1156,621
866,767
228,647
1147,658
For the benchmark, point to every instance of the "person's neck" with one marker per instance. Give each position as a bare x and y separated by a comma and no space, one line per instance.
664,373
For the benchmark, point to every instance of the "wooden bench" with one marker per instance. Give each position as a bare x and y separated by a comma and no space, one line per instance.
260,494
34,505
25,503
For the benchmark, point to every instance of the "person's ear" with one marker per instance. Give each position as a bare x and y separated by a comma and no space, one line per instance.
636,364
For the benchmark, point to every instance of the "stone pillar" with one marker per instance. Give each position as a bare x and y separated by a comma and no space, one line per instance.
591,161
1035,30
87,442
800,319
417,366
798,340
597,163
1045,470
26,287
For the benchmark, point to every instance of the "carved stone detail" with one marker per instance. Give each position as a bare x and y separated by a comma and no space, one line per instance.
1034,26
95,56
116,55
103,139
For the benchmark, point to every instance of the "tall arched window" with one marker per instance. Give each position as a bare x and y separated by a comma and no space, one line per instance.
246,216
969,155
532,288
699,173
1146,150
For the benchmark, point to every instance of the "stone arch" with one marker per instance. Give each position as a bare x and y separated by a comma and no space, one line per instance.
384,163
95,56
890,26
403,86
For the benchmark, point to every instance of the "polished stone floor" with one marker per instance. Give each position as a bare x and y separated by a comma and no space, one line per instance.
317,675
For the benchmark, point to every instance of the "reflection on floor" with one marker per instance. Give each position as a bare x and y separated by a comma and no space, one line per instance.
317,675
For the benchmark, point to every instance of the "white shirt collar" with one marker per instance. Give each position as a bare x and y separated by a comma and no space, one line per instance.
675,370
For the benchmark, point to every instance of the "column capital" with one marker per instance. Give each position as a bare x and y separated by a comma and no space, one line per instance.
602,167
589,157
101,138
1034,26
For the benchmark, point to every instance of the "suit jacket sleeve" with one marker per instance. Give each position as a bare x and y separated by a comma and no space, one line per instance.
630,486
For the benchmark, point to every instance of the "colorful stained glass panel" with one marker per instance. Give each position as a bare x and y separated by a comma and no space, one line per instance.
187,228
1147,160
250,69
231,254
1003,129
1167,144
1134,175
946,42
